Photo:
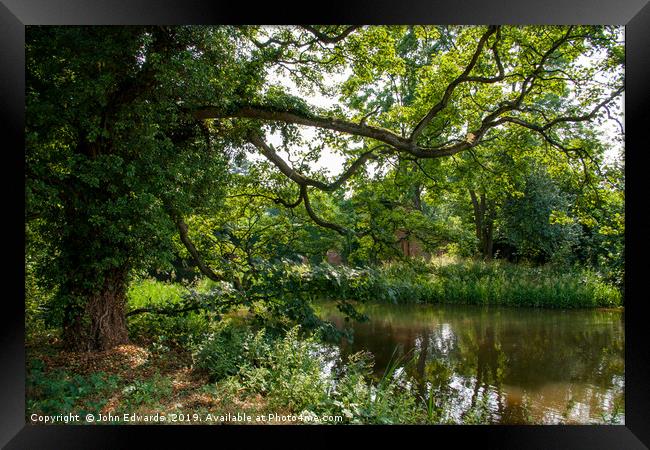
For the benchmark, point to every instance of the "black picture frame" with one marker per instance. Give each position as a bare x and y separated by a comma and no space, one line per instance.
634,14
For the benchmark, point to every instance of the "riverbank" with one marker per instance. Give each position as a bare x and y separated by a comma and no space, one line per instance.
204,362
196,370
447,280
475,282
235,376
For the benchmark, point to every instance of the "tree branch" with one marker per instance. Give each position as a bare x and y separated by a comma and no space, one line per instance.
276,200
167,312
391,139
302,118
452,86
302,180
189,245
330,39
323,223
585,117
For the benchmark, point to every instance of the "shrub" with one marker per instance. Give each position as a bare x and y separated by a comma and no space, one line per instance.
296,373
59,391
291,368
221,352
147,392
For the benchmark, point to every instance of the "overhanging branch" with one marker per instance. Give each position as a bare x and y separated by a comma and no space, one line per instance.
203,267
323,223
299,178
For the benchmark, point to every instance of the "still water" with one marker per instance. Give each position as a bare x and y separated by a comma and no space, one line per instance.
522,365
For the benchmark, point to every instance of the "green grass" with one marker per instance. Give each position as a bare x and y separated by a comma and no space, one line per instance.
466,281
151,293
175,330
501,283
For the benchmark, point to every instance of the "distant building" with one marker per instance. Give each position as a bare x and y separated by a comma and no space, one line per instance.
410,246
334,257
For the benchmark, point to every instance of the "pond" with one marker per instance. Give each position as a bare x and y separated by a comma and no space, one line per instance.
522,365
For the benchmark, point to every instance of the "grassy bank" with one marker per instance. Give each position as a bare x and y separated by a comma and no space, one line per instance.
459,281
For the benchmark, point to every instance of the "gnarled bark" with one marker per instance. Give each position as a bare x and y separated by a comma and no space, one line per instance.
106,312
100,323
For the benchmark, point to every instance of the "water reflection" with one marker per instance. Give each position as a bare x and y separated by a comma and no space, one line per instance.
520,365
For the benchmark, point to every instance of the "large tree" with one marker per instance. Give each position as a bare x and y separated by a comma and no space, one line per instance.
113,162
129,129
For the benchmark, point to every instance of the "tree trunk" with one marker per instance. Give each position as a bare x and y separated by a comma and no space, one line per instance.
106,312
488,223
488,240
417,197
479,211
101,323
484,223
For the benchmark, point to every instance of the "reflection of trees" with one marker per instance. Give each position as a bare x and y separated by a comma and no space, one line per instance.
536,352
487,364
538,347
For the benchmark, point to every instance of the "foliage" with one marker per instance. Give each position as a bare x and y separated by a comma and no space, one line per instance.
296,373
537,223
501,283
60,391
150,391
221,351
448,281
146,147
164,330
110,153
37,315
